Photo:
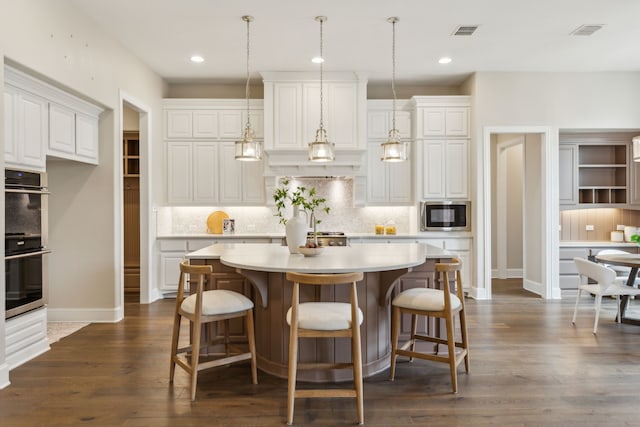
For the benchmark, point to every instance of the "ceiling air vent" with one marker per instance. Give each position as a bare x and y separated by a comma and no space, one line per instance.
586,30
465,30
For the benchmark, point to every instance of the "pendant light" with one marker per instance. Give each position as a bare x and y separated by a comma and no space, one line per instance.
393,150
247,149
321,150
636,148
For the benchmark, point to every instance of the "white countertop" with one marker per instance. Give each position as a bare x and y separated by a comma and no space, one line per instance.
423,235
594,244
364,257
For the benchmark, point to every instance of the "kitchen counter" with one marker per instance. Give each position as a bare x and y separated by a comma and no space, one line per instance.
263,267
274,235
595,244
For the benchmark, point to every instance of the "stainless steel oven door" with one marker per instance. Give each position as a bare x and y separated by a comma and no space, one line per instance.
25,281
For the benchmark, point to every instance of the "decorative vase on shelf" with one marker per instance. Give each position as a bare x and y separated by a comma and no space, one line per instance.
296,230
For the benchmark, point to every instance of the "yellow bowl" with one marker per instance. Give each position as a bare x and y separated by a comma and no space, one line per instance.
310,251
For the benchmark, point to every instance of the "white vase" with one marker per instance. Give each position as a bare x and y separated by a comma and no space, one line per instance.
296,230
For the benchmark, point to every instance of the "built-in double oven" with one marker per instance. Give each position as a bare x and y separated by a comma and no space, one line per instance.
26,202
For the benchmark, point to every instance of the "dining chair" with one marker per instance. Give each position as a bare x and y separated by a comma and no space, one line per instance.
324,320
443,303
204,307
606,285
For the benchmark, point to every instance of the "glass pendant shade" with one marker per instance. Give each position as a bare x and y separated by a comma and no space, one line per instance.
247,149
636,148
321,150
393,149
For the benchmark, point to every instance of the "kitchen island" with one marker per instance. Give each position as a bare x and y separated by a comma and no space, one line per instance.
262,267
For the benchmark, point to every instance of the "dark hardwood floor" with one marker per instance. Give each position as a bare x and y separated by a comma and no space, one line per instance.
529,367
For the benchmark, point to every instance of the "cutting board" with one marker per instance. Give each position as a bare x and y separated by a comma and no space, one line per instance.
214,222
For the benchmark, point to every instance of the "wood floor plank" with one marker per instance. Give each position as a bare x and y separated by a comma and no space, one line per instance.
529,367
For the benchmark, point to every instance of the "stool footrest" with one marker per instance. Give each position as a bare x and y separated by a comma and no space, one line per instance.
325,393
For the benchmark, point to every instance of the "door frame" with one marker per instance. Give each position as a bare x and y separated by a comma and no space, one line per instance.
147,294
549,208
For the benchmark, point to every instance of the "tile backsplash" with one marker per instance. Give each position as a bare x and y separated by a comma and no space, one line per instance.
340,198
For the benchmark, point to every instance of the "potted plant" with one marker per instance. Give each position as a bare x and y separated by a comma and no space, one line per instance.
302,199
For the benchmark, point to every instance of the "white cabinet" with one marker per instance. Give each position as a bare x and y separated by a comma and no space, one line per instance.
201,166
293,101
379,123
26,130
443,121
240,182
442,145
192,172
444,168
206,172
72,135
387,183
214,122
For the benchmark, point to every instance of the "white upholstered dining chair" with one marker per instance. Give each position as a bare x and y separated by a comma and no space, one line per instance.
606,285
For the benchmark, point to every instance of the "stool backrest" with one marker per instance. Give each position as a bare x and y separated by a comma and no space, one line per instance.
443,270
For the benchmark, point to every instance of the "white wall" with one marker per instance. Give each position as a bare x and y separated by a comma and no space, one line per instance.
56,42
607,100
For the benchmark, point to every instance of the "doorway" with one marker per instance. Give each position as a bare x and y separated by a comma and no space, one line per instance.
138,155
131,202
539,209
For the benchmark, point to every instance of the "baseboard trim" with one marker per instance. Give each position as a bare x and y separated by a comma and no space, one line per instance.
90,315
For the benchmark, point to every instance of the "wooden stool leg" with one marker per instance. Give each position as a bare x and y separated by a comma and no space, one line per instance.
195,356
293,356
396,317
451,347
414,329
252,346
174,344
226,338
465,339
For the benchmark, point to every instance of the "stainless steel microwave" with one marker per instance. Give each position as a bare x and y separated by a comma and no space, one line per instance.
448,215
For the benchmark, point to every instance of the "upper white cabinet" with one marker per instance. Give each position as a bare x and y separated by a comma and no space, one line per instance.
72,135
443,121
292,110
25,129
43,120
201,165
445,168
442,145
210,119
388,183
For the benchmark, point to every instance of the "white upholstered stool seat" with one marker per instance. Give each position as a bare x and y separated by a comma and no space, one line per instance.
424,299
212,307
219,301
325,316
325,320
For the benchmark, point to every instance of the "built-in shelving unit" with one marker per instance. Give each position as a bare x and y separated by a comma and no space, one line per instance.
131,154
602,174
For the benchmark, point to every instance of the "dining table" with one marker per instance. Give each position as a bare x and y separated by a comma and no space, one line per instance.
624,260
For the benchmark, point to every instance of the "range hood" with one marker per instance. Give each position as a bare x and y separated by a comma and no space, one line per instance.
291,117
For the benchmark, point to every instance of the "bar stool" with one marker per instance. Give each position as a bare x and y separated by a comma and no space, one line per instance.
437,303
205,307
324,320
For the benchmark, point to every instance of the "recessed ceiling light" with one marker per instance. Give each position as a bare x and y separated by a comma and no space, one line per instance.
444,60
317,60
197,58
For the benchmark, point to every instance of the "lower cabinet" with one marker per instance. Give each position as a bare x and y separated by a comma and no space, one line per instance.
569,278
173,251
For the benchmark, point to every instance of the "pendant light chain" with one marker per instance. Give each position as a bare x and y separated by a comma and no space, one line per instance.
247,90
321,69
393,73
